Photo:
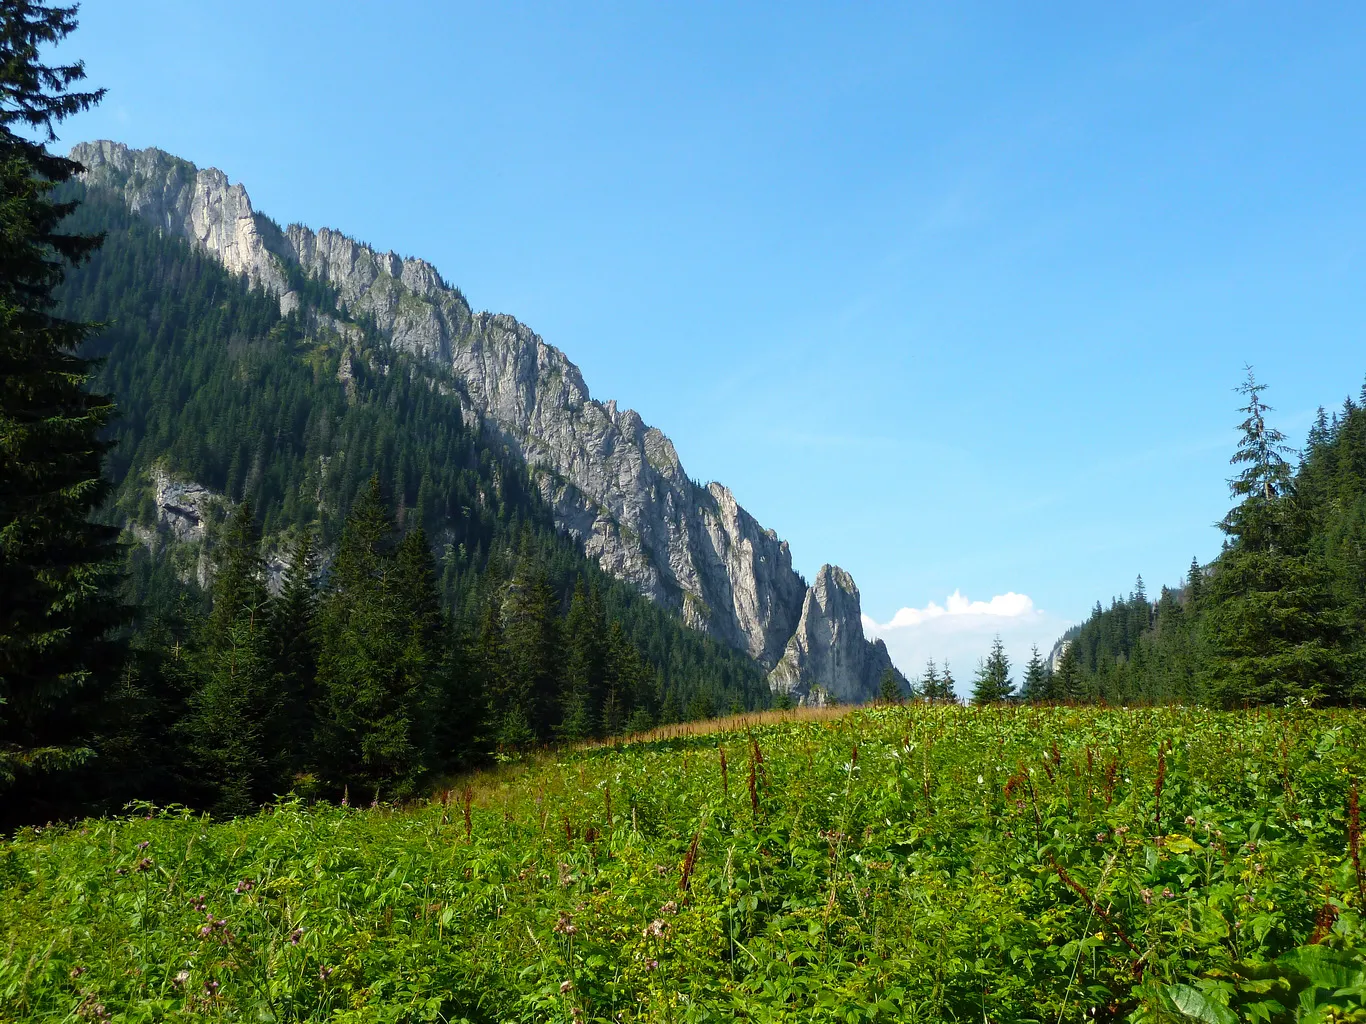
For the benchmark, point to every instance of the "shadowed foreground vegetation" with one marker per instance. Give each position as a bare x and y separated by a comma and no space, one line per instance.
925,863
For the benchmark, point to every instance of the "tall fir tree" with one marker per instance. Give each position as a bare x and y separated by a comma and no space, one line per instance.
629,676
621,670
948,686
889,690
993,684
57,658
505,707
1276,628
293,641
931,686
420,672
1035,686
532,635
1066,683
1195,584
235,710
582,696
369,701
1259,520
239,585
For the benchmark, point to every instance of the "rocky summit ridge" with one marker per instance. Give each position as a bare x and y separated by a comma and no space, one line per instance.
616,485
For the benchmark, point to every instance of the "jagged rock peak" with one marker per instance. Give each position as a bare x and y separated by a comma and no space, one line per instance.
616,484
217,217
828,658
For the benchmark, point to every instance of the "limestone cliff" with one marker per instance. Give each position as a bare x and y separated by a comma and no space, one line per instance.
828,658
616,484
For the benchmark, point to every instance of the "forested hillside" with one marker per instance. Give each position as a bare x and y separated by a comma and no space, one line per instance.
1277,616
430,612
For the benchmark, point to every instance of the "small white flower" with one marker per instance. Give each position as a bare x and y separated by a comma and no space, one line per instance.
979,780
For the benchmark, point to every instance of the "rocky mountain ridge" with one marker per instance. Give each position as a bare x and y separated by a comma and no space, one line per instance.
616,485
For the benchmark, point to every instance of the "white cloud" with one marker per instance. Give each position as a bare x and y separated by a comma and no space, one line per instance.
1009,606
961,630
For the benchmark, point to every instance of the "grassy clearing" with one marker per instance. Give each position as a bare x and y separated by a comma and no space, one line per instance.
920,864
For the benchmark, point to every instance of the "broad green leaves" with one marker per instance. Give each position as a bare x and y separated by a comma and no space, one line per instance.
901,889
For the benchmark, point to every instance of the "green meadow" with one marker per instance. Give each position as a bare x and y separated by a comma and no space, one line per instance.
888,864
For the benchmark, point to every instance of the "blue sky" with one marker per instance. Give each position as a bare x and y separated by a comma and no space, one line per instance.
954,297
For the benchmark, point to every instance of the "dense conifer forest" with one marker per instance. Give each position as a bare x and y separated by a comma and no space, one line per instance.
1277,617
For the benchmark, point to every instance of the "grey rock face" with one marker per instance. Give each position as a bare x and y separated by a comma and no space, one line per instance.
183,507
828,655
616,484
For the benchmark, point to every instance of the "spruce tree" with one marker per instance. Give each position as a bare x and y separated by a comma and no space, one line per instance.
1260,518
1195,584
931,688
293,646
239,585
582,697
993,684
422,660
948,686
56,567
1319,433
1067,684
671,711
531,631
234,712
370,699
629,677
889,690
700,706
1276,628
621,668
1035,687
505,705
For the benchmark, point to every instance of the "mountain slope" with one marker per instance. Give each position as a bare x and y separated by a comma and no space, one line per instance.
222,399
615,484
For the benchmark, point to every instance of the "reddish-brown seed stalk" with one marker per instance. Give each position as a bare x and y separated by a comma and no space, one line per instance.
1091,904
469,823
1354,841
1161,778
1323,923
725,778
753,790
689,862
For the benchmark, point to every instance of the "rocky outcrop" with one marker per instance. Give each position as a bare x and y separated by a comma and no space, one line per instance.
183,508
616,484
828,659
